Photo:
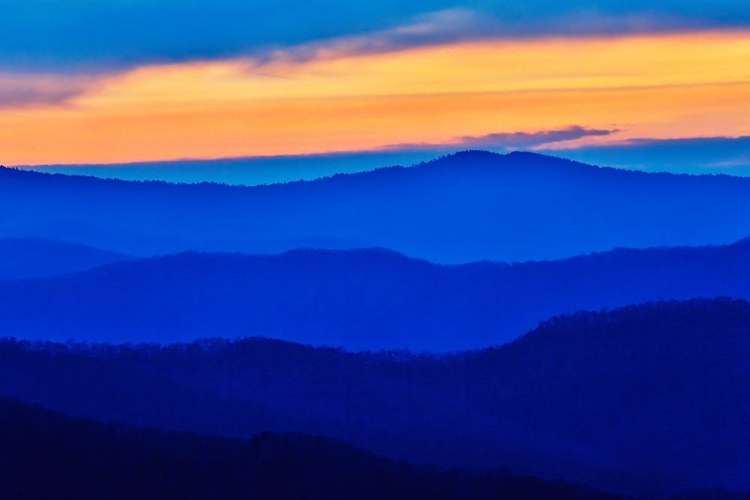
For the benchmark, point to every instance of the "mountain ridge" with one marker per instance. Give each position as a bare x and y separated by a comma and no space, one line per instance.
460,208
366,299
662,387
440,161
26,258
114,461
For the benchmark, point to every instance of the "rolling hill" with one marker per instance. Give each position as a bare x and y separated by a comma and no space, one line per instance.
25,258
359,299
644,400
465,207
117,461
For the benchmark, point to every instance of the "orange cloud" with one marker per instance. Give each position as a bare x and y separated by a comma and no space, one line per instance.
658,86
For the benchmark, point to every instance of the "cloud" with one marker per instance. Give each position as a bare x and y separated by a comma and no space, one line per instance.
698,155
28,90
526,140
434,28
739,161
462,24
672,146
89,35
507,141
94,36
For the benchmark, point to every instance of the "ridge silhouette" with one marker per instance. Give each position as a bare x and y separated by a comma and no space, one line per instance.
25,258
117,461
358,299
646,400
460,208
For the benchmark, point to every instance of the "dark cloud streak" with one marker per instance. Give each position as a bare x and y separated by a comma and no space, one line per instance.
508,141
532,140
86,35
28,90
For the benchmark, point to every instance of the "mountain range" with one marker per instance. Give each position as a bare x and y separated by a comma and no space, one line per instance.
476,326
358,299
461,208
118,462
645,400
26,258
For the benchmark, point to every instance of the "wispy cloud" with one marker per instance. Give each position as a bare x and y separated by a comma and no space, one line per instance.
738,161
434,28
463,24
697,155
532,139
77,35
25,90
508,141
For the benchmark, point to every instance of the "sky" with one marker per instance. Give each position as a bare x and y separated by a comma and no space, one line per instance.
658,85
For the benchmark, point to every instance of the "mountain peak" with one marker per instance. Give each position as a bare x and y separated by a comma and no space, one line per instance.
469,206
513,161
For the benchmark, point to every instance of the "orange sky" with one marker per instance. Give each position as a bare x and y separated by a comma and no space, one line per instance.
657,86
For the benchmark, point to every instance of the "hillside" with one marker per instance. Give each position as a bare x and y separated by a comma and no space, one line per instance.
25,258
649,399
461,208
116,461
360,299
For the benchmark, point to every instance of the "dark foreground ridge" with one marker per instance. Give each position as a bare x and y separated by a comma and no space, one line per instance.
47,455
644,400
461,208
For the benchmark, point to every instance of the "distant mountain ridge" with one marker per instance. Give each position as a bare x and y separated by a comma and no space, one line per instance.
465,207
25,258
645,400
359,299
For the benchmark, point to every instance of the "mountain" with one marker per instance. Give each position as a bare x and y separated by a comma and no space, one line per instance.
47,455
359,299
666,385
24,258
465,207
645,400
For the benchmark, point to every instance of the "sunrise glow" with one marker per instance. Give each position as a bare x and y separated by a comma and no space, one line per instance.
639,86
